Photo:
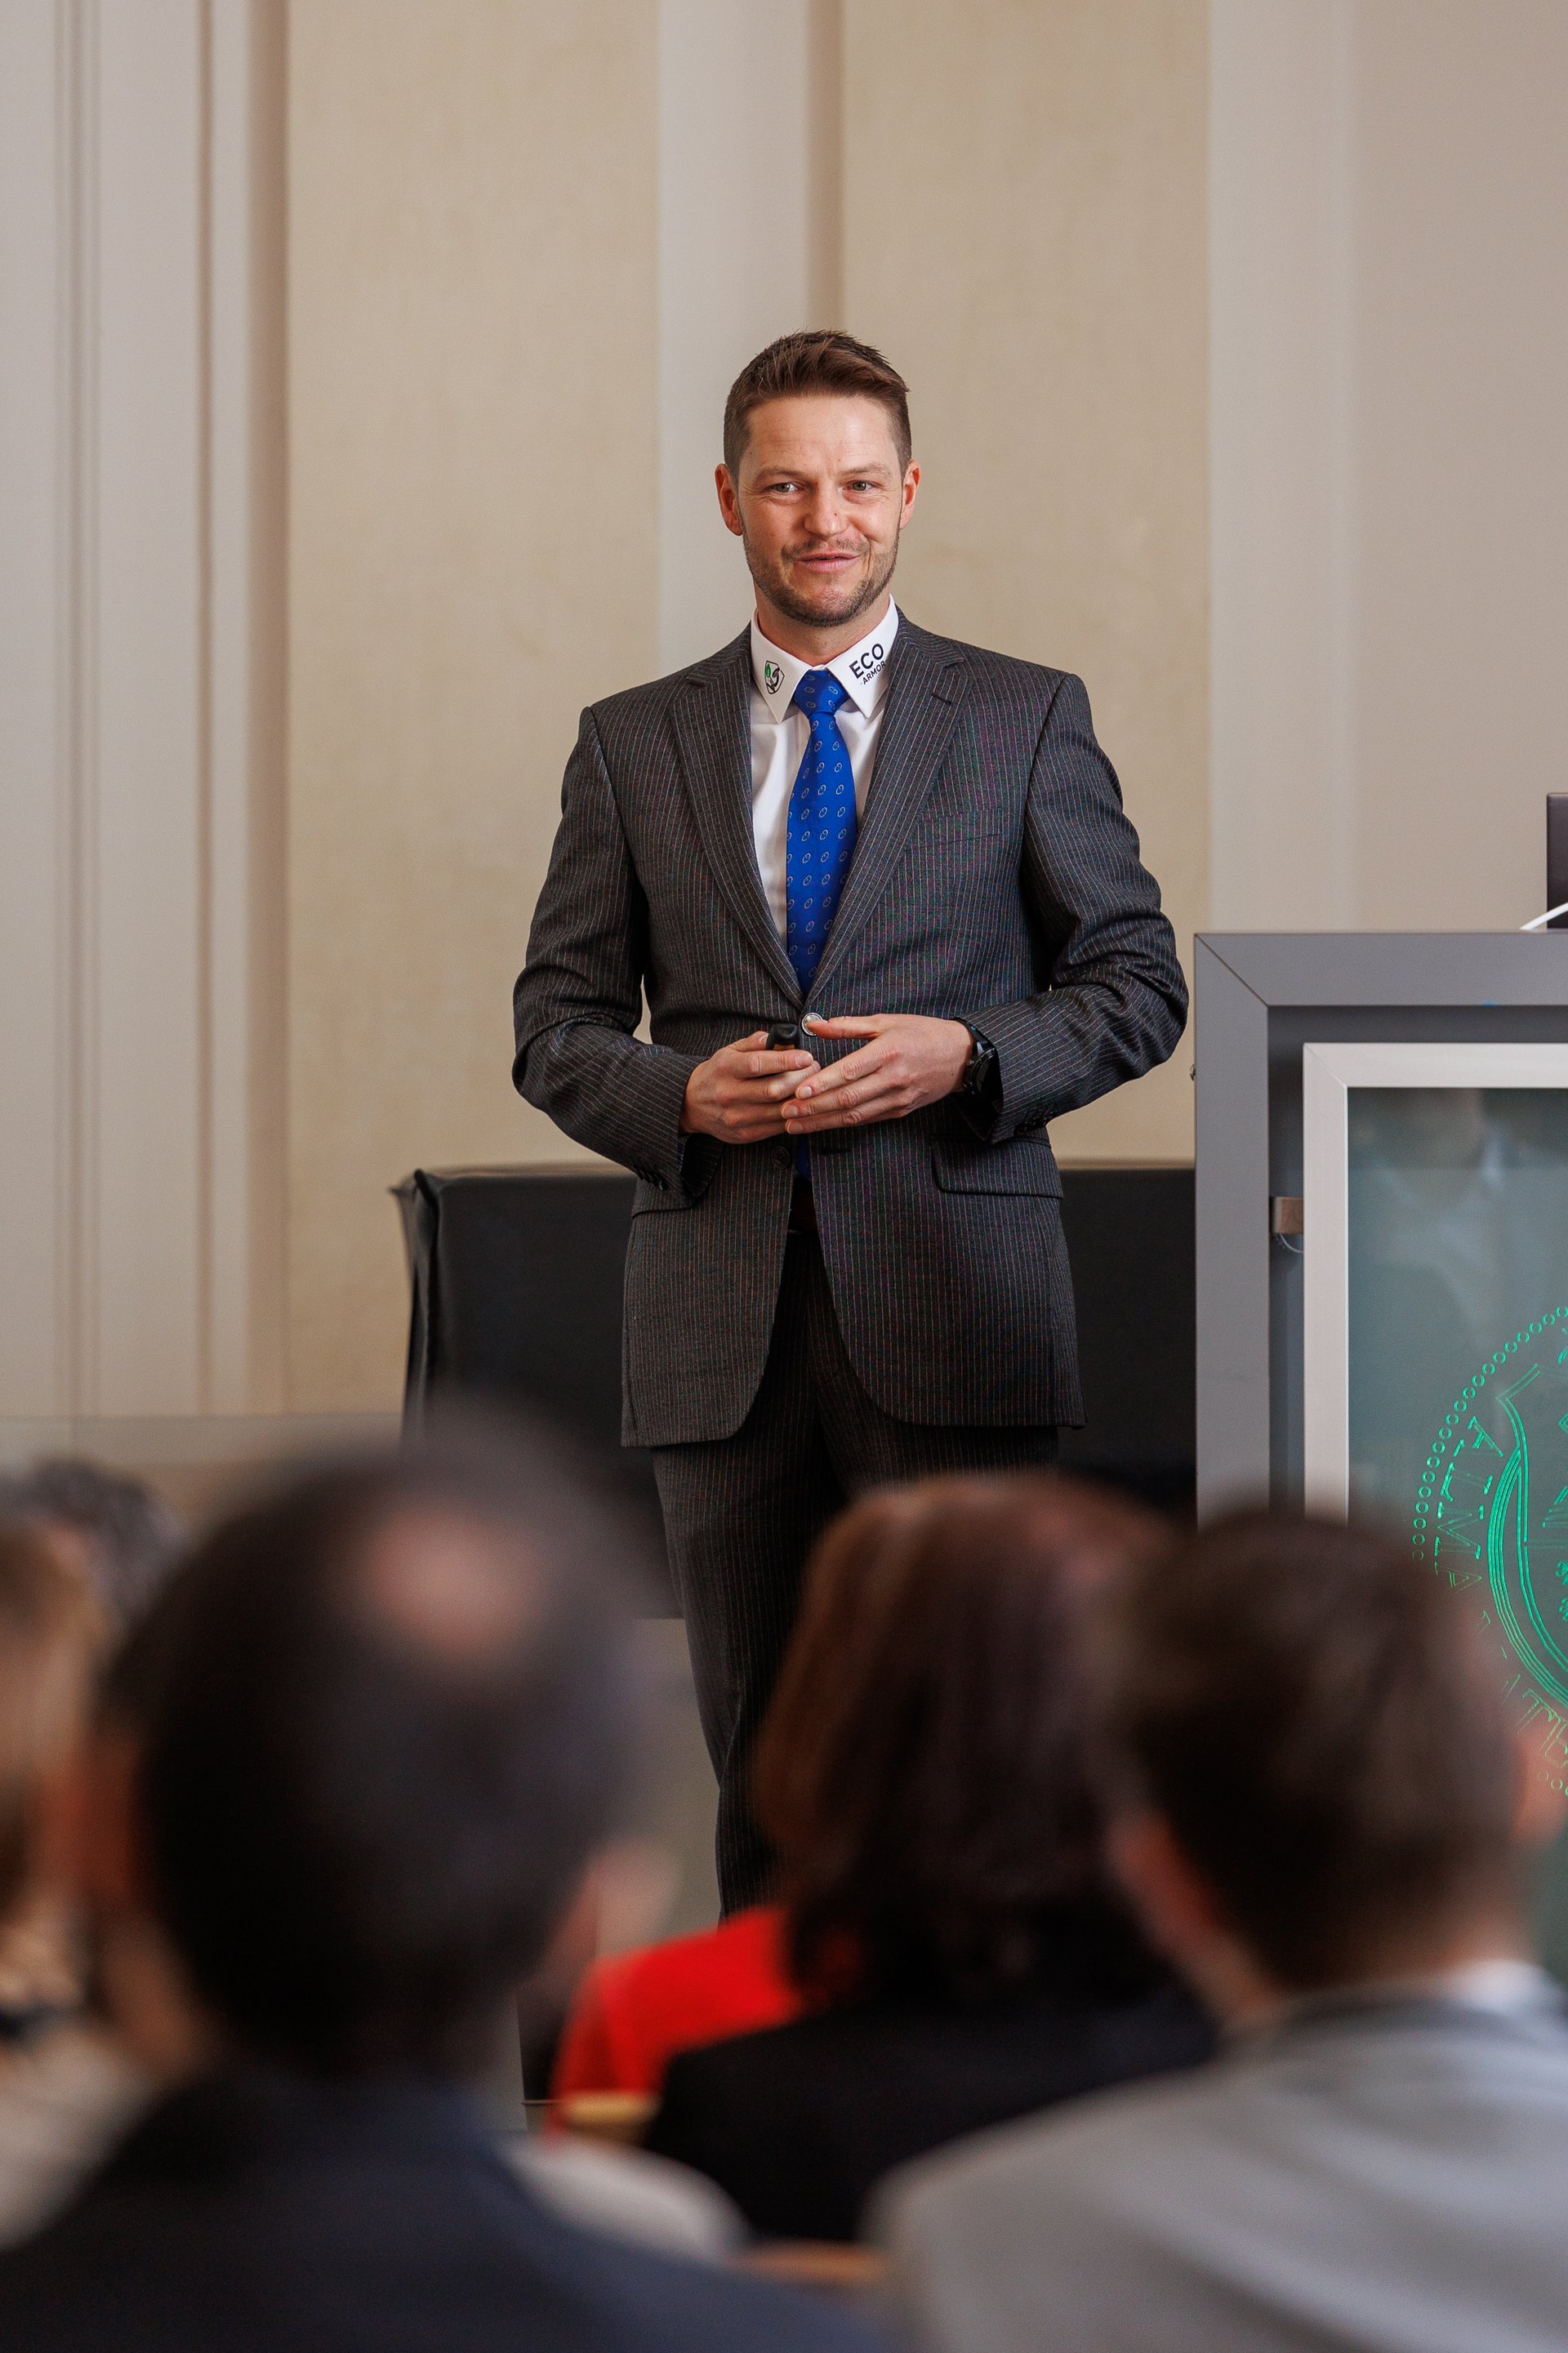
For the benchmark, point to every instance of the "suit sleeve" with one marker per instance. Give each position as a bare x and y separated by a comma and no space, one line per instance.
578,999
1116,1002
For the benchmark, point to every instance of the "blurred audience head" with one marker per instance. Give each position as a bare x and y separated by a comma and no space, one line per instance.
380,1721
925,1770
125,1538
1322,1781
52,1634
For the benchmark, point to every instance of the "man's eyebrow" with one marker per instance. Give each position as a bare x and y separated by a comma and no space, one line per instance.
768,477
868,466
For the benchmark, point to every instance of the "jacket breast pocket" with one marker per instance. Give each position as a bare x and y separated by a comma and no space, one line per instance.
1025,1164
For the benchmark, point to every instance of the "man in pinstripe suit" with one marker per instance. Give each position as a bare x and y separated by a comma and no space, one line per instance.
846,1263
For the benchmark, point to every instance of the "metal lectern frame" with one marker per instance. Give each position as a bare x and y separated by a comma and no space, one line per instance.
1259,999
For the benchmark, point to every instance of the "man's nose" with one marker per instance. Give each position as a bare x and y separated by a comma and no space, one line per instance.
825,516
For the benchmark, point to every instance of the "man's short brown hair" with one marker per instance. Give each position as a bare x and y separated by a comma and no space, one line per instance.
1314,1714
819,360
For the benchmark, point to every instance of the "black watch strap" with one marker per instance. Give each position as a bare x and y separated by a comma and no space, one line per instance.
985,1068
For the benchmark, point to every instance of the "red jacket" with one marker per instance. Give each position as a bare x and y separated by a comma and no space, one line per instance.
635,2010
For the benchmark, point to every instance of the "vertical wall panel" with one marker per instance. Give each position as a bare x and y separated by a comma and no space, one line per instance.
1461,188
245,1045
1026,234
735,251
147,786
128,624
35,144
1390,513
1283,465
473,472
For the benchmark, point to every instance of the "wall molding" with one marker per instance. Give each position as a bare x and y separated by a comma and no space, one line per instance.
744,255
1282,465
74,1156
141,463
144,1442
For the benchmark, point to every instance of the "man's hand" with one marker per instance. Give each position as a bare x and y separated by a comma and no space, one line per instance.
738,1094
911,1059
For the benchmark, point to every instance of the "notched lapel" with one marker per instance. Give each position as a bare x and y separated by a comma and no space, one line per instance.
925,694
713,744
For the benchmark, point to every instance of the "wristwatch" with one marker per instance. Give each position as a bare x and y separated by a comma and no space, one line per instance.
983,1074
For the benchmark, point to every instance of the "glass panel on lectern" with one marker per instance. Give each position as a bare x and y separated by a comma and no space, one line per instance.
1458,1245
1458,1343
1458,1371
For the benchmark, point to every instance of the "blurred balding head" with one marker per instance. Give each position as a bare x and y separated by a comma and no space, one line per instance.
382,1719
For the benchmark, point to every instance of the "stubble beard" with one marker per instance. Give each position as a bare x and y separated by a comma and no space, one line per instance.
854,602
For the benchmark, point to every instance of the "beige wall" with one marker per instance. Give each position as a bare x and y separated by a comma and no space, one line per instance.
1024,233
1389,540
527,243
471,542
1459,588
475,415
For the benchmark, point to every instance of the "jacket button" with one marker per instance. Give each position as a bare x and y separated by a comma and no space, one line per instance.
784,1155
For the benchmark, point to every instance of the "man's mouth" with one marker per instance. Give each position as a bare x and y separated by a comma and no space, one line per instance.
828,560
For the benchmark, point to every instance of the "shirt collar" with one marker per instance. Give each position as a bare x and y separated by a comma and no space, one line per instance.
861,670
1507,1988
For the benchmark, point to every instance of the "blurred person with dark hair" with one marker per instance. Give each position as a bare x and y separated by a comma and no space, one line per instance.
124,1536
635,2011
925,1774
68,2085
376,1728
1326,1816
65,2086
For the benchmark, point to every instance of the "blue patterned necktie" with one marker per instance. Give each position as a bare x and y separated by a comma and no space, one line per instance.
821,835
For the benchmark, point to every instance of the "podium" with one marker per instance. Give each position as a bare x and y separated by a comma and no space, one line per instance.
1382,1204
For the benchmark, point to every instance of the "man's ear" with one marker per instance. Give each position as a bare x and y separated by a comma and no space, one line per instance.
911,483
728,499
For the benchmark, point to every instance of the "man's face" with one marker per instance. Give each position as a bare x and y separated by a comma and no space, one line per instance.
819,505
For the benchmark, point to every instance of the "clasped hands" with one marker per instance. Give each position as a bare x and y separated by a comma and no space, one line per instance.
750,1090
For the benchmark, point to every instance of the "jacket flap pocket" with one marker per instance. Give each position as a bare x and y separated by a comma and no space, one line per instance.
698,1166
1024,1164
658,1196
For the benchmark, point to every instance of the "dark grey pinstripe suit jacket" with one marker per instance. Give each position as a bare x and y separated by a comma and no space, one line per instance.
996,879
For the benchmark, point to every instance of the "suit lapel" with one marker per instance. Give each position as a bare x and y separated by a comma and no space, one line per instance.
712,737
925,693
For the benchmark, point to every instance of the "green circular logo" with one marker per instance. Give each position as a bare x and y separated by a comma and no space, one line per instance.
1492,1508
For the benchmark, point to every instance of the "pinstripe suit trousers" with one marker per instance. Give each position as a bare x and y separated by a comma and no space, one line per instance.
741,1514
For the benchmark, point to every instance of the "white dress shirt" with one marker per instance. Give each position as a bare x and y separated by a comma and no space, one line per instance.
780,734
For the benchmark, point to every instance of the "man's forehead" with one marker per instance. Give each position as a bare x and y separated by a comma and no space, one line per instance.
831,429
